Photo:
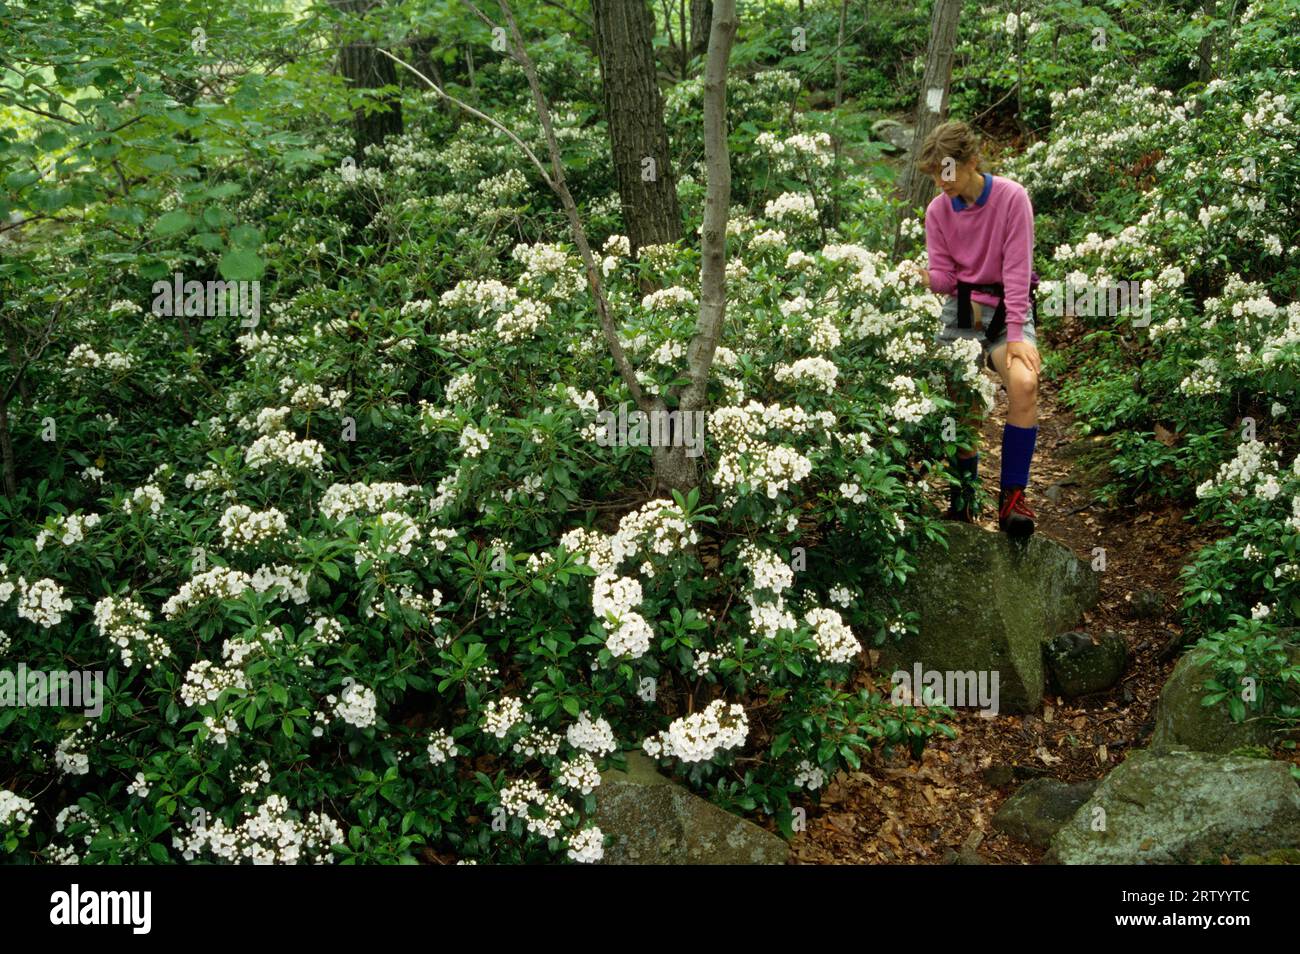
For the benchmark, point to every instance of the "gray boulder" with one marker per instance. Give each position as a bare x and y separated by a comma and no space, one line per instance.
1079,666
1182,807
655,821
988,605
1040,807
1181,720
896,134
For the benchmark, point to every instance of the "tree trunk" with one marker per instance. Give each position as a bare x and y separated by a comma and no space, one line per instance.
1206,50
7,454
915,189
839,101
701,16
364,68
673,469
635,117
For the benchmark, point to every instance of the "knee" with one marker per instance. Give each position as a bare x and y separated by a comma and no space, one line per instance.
1022,386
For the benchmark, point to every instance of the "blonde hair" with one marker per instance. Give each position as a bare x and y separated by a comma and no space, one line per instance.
952,139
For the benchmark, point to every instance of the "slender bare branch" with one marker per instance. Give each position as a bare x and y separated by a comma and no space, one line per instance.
561,188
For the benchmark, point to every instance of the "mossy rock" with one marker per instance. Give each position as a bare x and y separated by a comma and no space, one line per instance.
989,604
1183,807
1079,666
1181,719
1039,808
655,821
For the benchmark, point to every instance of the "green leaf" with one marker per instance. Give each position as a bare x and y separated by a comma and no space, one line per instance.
177,220
241,264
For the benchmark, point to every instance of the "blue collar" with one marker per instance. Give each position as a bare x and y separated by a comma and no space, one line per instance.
958,203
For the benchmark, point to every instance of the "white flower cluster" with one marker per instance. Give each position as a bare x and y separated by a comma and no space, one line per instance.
1248,467
14,809
473,441
666,299
658,528
149,497
809,776
139,786
817,373
442,747
281,448
796,206
797,152
766,568
226,583
206,681
835,641
122,621
393,532
502,715
84,356
342,500
701,736
592,735
357,705
68,530
308,396
267,836
521,321
243,528
480,295
587,846
70,755
910,405
580,774
519,797
770,468
42,602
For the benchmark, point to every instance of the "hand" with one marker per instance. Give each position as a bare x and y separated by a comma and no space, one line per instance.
1026,352
923,275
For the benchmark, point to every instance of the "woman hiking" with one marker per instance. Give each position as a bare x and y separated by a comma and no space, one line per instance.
979,235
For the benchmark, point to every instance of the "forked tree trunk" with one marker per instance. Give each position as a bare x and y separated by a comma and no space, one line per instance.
634,112
915,188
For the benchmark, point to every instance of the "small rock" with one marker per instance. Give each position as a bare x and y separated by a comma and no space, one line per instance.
1078,666
966,856
996,776
894,133
1039,808
1146,604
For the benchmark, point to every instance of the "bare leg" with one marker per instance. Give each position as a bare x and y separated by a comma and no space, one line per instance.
1021,382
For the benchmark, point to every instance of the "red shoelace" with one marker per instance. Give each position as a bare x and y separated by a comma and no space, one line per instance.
1015,503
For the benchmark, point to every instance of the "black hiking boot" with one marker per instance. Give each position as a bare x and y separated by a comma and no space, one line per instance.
961,503
1014,515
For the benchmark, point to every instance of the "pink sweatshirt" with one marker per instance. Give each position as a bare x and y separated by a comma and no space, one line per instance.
993,242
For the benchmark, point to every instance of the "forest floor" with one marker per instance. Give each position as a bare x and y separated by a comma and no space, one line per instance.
903,810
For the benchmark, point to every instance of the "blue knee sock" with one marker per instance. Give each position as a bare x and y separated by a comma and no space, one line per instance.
1017,450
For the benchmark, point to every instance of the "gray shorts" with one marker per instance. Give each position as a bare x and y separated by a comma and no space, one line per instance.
950,331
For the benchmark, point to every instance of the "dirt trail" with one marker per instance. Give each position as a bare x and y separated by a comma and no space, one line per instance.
903,811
